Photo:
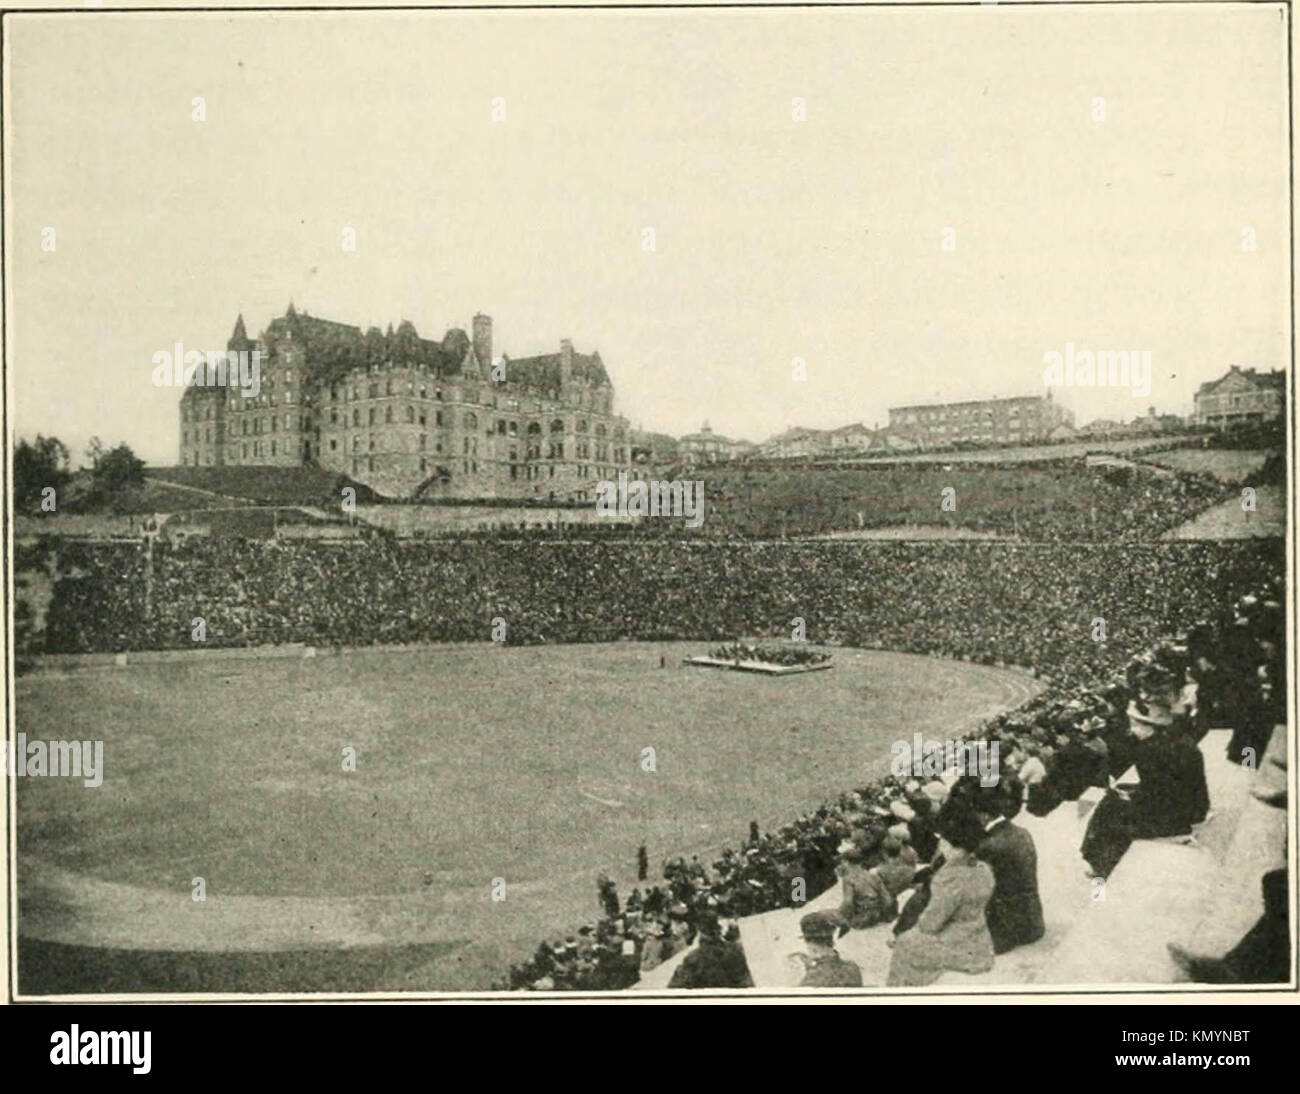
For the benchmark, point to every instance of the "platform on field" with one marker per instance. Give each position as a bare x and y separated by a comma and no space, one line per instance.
765,667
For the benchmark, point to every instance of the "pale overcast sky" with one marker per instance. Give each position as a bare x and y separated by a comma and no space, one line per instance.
775,238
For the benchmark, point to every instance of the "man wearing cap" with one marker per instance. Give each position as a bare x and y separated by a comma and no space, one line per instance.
825,967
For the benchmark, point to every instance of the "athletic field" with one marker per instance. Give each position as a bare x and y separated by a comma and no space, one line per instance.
472,763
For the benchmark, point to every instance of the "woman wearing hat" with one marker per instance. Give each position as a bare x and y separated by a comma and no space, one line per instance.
952,932
1171,795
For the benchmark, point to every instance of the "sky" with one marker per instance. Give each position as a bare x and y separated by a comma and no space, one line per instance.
1111,225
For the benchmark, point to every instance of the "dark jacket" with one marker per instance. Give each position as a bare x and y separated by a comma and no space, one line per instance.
1014,913
832,972
714,964
1172,795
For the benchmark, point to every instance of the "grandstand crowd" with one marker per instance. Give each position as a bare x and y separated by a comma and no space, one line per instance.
905,837
1141,649
1047,501
1036,606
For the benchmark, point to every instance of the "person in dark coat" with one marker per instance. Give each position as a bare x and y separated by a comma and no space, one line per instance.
1015,912
715,963
1170,798
1075,765
825,968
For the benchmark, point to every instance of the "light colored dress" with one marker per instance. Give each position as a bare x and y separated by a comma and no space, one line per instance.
952,932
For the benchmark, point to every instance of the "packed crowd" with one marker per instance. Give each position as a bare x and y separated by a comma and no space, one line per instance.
1066,612
1048,501
949,843
769,654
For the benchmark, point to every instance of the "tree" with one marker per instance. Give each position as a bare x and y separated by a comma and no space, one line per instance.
114,474
95,452
36,466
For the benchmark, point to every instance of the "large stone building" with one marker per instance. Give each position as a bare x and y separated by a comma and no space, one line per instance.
411,417
987,421
1241,397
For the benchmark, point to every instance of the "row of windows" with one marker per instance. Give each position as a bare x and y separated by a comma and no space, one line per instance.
259,449
943,414
1254,399
370,464
237,403
191,413
504,427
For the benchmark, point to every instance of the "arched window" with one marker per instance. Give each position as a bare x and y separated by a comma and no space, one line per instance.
557,426
534,429
471,421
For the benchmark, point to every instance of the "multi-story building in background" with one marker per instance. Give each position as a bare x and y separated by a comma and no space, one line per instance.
709,447
986,421
1241,397
411,417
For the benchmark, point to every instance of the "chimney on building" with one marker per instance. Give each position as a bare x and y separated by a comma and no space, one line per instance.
566,360
482,340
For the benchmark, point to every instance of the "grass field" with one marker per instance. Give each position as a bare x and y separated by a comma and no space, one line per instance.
473,762
1225,464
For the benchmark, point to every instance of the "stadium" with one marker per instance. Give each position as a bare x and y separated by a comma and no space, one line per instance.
498,696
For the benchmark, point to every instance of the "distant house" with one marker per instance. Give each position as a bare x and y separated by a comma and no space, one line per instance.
653,449
853,438
1103,427
798,441
709,447
891,439
1241,397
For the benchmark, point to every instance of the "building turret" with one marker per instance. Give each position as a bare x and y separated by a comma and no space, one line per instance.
239,340
566,361
483,341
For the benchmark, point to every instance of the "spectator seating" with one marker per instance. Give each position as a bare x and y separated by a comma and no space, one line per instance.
1205,888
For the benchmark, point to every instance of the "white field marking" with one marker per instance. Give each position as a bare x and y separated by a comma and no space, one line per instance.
603,801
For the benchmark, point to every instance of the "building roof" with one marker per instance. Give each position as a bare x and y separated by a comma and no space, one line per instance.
1275,379
661,442
797,433
335,349
543,371
974,402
